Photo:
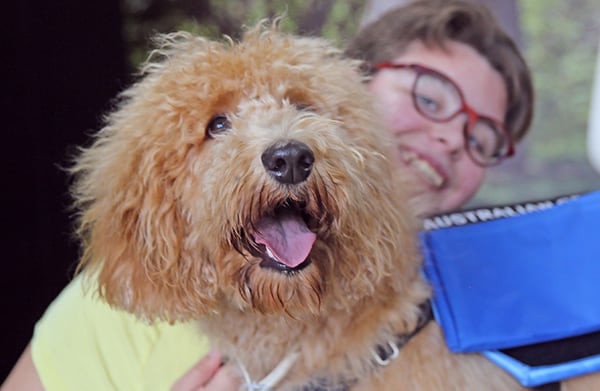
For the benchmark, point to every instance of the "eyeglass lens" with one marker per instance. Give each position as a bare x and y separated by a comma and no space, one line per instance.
439,100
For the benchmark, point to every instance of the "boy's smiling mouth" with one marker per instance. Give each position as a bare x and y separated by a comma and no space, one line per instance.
424,168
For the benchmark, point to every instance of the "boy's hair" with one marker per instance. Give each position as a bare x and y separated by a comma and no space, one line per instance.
434,22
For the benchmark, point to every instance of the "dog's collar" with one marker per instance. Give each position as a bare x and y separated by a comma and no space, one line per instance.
269,382
382,354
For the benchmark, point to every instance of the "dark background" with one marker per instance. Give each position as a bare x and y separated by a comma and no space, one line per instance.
63,62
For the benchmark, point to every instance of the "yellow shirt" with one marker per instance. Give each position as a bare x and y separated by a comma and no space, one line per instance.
82,344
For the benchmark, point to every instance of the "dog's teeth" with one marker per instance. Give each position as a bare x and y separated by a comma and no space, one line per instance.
271,255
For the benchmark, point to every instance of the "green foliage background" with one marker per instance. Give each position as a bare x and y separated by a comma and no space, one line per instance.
334,19
561,39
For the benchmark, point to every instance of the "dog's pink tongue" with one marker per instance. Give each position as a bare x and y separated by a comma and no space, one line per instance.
287,237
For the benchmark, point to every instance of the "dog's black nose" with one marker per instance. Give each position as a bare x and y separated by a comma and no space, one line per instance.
289,162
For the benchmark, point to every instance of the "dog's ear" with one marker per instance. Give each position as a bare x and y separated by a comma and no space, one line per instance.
132,226
127,189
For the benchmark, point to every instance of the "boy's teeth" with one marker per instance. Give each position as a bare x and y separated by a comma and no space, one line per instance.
423,167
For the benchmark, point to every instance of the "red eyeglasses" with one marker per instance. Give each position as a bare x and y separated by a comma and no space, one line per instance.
437,98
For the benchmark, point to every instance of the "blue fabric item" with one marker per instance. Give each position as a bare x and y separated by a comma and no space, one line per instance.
522,280
534,376
519,280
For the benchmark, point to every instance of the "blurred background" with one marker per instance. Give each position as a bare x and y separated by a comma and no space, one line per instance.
65,61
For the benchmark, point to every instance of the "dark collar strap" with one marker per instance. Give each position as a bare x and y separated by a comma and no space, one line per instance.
322,384
382,355
387,353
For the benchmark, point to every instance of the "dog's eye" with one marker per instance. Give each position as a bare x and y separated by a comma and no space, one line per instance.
218,124
304,107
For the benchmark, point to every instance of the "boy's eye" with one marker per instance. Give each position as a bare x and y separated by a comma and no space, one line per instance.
427,104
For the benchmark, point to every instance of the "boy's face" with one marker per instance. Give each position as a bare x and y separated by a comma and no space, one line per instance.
442,173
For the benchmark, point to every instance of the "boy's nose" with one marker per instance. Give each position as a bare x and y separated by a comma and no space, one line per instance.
450,134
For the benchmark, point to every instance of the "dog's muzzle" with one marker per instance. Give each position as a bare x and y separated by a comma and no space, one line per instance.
282,237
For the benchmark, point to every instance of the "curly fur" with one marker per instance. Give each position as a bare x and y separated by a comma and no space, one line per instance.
167,214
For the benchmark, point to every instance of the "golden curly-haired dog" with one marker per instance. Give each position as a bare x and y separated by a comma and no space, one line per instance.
246,186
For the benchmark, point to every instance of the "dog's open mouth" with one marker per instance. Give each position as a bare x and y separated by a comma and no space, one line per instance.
284,240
